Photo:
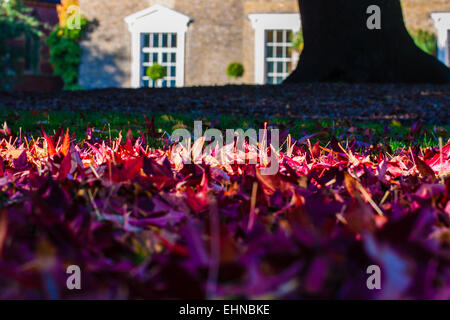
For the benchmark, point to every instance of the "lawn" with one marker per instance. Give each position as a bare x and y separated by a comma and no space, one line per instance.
108,125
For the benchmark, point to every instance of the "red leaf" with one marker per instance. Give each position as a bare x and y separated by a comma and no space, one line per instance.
50,145
315,150
269,183
423,168
151,167
176,248
22,161
66,144
66,165
351,184
130,170
198,201
360,217
129,136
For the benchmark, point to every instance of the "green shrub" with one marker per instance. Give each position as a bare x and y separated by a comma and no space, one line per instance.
65,53
427,41
15,22
156,72
235,70
297,41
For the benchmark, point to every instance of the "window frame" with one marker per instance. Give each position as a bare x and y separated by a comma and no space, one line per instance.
261,22
448,47
156,19
442,24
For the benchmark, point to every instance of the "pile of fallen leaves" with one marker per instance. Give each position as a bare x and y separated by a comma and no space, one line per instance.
140,223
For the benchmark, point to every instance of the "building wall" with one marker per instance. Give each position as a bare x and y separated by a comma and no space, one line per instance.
417,13
213,40
220,33
259,6
106,59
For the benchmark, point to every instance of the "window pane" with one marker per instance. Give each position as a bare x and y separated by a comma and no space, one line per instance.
164,40
173,83
279,67
145,83
174,40
279,52
144,71
173,57
279,36
155,58
269,50
172,72
145,40
270,67
270,80
164,57
289,36
164,84
155,40
146,57
270,36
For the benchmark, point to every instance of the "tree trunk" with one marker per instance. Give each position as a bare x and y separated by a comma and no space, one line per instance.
338,46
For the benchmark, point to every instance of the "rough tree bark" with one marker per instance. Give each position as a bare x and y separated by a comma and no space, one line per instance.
338,46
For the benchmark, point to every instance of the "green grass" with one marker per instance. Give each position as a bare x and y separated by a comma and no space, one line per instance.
106,123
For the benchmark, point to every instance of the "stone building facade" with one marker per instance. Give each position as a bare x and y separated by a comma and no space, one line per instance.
128,35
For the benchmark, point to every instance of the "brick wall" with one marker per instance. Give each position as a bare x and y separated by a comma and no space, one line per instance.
219,34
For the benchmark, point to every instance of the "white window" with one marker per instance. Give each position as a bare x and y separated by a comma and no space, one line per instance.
278,55
273,59
158,36
442,23
159,48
